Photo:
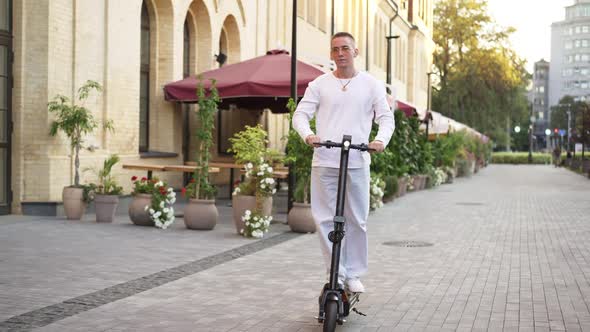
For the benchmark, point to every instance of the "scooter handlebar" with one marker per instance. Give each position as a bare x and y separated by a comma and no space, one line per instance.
330,144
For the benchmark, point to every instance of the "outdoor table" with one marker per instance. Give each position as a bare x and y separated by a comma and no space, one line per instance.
166,168
145,167
279,173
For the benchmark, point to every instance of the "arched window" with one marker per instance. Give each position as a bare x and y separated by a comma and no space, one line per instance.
186,51
144,93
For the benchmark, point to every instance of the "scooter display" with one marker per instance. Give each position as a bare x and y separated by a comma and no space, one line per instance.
335,302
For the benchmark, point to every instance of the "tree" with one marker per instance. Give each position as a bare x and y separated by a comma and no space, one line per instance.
482,82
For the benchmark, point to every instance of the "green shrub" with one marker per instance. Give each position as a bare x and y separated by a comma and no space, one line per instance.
520,158
390,186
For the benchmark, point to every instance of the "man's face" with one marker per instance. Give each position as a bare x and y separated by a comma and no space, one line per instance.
343,51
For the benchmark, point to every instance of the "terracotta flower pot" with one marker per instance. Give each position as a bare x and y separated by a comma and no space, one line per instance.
106,206
300,219
74,205
137,212
241,203
200,214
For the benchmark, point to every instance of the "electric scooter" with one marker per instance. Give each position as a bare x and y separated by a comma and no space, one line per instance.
335,302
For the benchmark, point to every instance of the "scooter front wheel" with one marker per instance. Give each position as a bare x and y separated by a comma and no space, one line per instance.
331,316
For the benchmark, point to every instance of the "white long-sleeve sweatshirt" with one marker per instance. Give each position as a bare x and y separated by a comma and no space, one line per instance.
348,112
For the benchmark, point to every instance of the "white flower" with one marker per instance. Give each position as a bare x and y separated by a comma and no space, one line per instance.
162,204
249,165
260,173
242,231
269,169
165,210
170,190
247,223
274,191
152,211
146,208
270,180
248,212
159,184
263,186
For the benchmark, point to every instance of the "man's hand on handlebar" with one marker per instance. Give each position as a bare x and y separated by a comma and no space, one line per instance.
312,140
376,147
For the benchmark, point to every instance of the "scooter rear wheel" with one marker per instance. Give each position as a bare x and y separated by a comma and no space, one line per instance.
331,315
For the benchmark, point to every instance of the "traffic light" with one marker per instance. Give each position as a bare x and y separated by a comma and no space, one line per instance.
556,130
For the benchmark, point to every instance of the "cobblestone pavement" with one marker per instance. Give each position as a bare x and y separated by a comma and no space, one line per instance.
509,253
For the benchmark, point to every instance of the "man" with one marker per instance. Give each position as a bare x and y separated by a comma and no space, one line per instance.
345,101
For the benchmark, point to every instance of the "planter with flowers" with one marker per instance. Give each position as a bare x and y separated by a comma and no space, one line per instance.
160,208
142,197
299,156
376,192
75,121
252,199
201,213
106,191
152,203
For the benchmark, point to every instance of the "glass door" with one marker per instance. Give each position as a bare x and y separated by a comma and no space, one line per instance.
5,103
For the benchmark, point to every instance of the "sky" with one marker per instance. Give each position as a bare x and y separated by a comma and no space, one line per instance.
532,20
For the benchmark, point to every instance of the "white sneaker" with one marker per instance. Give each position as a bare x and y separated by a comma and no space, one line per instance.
355,286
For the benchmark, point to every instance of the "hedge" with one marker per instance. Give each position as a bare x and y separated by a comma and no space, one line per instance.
520,158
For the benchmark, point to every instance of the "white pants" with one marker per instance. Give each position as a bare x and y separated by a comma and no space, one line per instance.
324,187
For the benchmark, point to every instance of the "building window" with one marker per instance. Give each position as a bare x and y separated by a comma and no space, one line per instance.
144,93
186,51
301,9
311,12
322,16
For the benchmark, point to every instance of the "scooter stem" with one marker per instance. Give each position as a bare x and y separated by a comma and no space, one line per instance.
339,220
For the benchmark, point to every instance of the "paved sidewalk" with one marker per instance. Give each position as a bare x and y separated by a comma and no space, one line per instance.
509,252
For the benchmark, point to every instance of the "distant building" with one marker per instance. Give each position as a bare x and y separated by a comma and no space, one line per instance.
570,54
540,101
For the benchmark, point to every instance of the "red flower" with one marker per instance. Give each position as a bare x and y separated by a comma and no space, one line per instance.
192,180
144,179
183,191
133,178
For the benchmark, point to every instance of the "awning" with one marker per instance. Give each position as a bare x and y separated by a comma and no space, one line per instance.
408,109
261,82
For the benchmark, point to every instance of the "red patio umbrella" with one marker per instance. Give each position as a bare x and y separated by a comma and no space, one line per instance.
261,82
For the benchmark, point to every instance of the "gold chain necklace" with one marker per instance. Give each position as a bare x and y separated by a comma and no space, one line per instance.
344,85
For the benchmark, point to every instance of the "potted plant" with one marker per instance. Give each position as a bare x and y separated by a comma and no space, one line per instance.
152,203
299,156
201,212
75,121
252,199
106,191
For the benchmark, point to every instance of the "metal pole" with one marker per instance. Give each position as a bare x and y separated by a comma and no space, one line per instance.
569,130
293,93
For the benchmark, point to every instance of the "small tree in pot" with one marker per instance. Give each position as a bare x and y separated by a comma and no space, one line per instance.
299,156
75,121
201,212
252,200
